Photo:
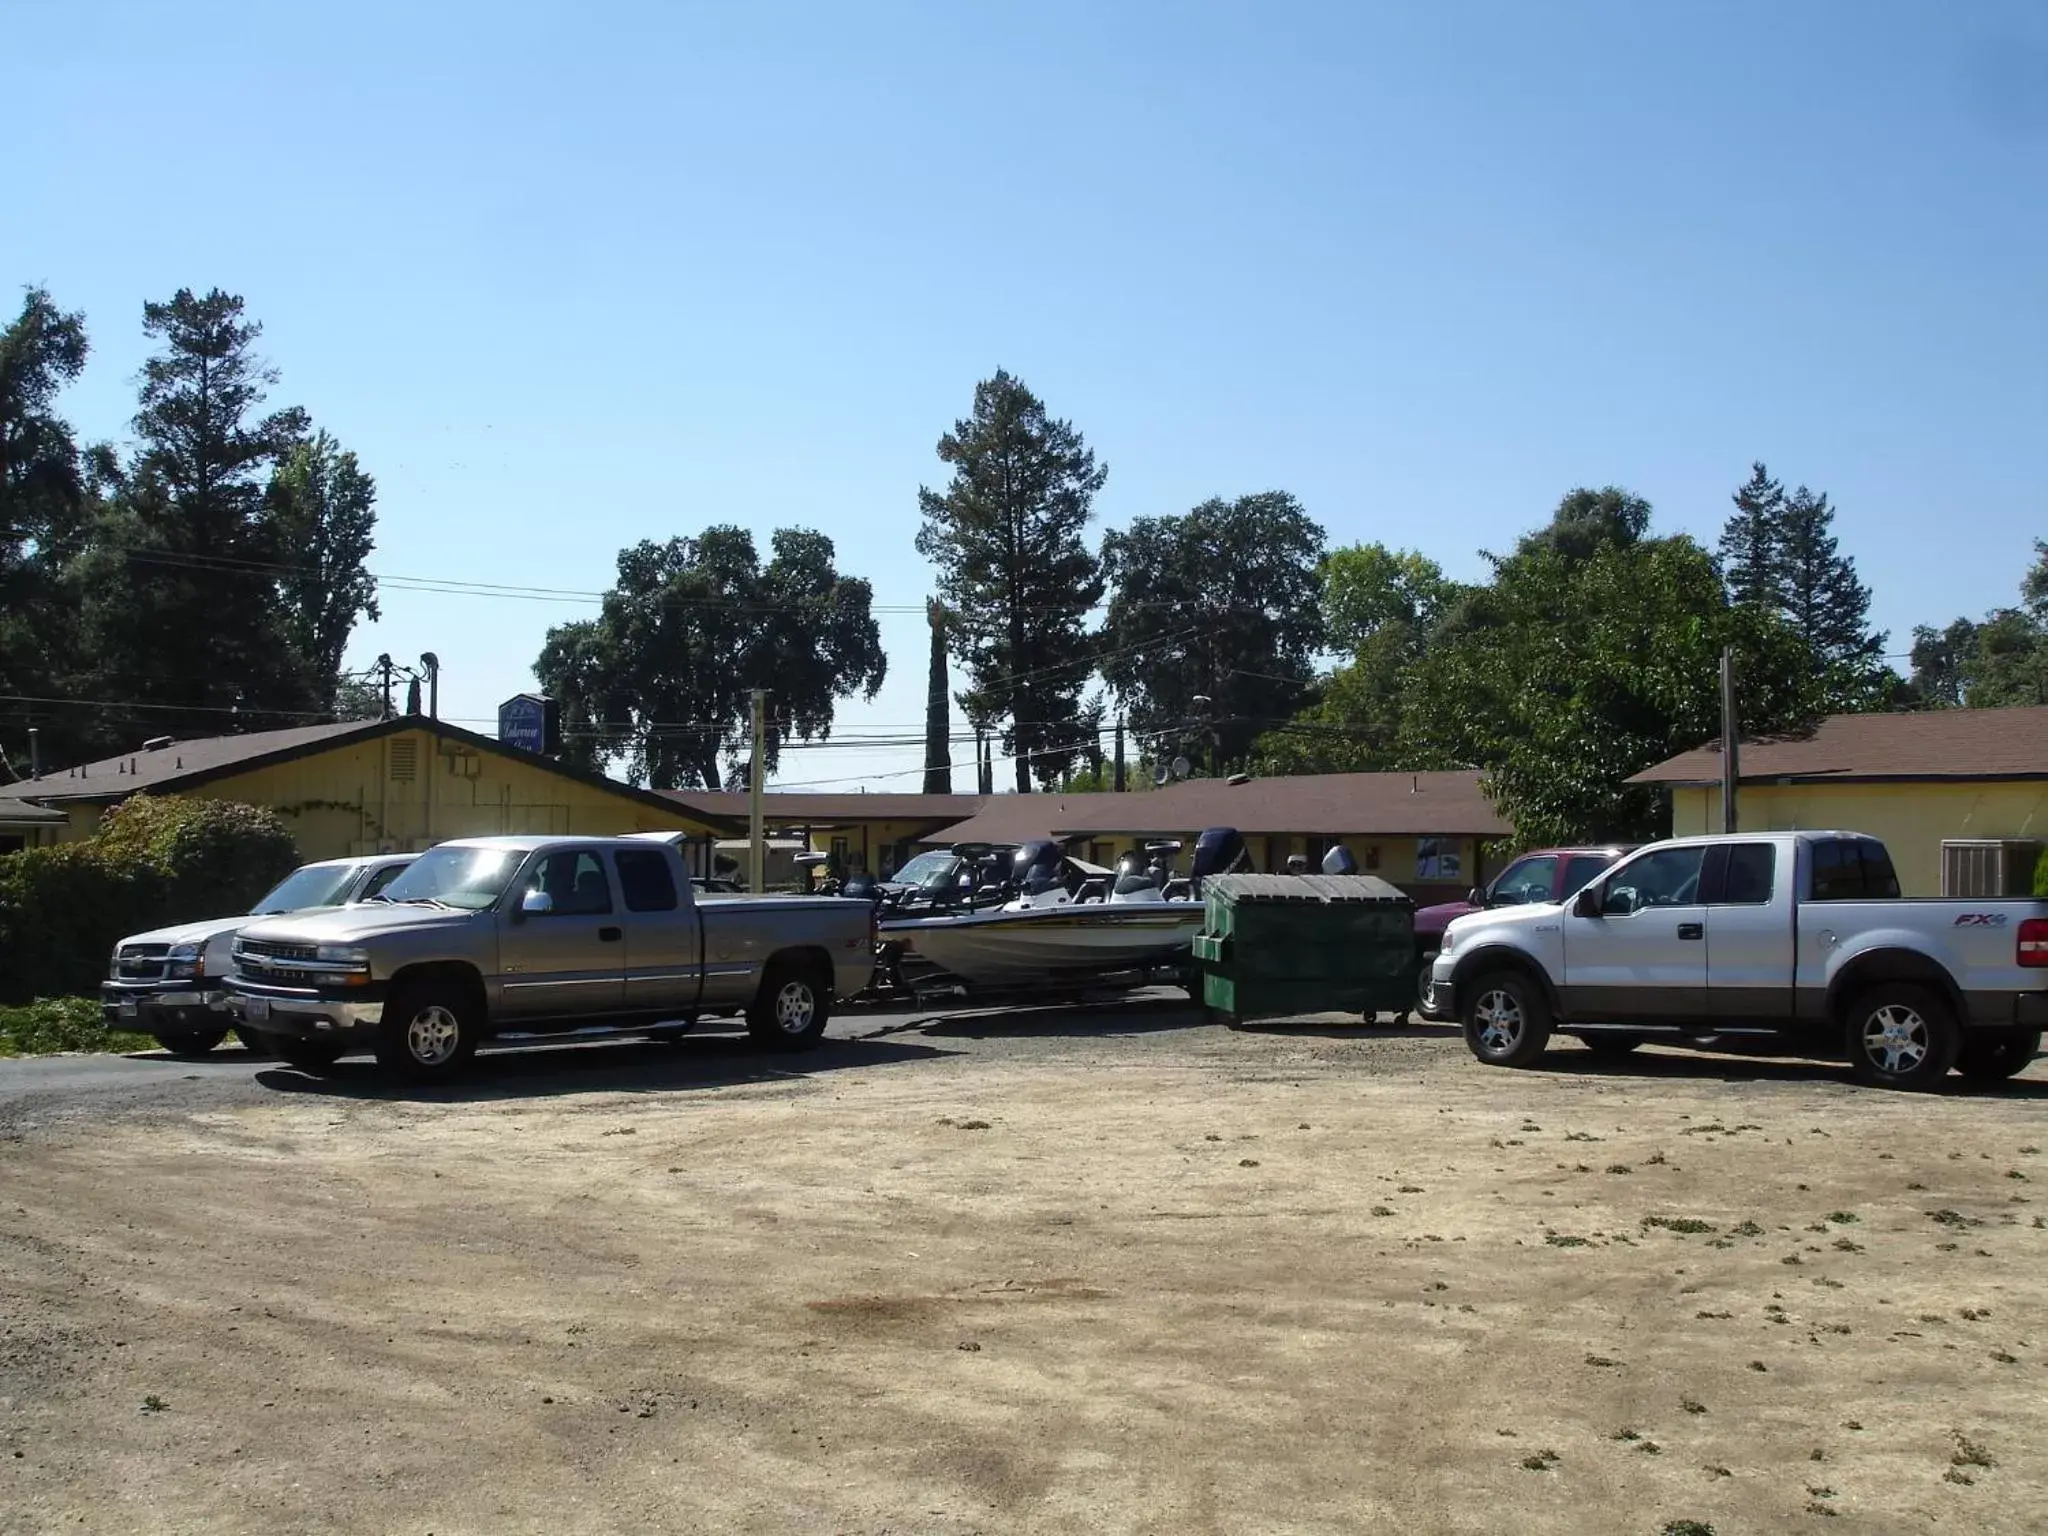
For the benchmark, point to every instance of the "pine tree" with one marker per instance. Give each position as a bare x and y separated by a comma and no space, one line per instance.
938,714
1015,575
1823,597
322,513
1752,543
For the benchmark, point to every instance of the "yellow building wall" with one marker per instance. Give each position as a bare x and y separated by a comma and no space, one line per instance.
359,798
1913,820
868,843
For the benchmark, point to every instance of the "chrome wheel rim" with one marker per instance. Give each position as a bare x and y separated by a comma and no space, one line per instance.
432,1036
1499,1019
795,1007
1896,1038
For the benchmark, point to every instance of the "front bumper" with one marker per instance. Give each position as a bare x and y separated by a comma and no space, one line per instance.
147,1006
307,1013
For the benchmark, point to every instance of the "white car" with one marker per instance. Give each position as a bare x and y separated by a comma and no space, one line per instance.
169,982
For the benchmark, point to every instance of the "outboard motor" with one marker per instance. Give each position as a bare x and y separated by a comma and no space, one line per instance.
1338,861
861,887
1218,851
1297,864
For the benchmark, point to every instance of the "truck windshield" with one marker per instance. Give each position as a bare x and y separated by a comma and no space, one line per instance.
317,885
469,878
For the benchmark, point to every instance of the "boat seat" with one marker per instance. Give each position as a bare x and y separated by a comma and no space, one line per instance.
1096,889
1130,885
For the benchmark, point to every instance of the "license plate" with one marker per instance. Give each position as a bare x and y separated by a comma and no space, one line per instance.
125,1009
256,1009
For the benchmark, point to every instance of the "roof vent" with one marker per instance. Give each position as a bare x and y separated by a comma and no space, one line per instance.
158,743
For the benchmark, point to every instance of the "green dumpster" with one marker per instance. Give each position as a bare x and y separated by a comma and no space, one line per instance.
1276,946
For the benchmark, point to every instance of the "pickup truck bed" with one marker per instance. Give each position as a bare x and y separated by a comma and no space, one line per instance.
1789,941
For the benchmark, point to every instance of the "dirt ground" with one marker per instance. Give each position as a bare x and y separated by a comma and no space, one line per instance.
1035,1274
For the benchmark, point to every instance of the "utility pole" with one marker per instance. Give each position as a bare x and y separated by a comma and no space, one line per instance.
757,837
1731,770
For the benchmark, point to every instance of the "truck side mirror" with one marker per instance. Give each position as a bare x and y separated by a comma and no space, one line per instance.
1587,902
1476,897
535,904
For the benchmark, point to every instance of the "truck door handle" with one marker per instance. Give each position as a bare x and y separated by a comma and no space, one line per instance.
609,935
1692,930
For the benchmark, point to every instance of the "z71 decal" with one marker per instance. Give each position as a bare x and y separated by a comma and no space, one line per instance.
1982,920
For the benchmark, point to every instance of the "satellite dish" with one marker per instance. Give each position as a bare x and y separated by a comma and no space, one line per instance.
1182,767
1159,775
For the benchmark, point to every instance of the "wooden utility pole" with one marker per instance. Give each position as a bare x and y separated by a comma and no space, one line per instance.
1731,731
757,836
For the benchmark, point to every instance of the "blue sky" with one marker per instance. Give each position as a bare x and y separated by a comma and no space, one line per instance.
569,277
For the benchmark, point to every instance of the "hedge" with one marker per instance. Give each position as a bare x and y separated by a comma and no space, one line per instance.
154,862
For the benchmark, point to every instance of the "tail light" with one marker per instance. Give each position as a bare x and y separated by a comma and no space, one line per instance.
2032,946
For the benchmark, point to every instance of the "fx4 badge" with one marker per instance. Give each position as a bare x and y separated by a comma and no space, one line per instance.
1982,920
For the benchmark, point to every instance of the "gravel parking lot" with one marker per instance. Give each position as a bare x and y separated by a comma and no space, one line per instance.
1116,1271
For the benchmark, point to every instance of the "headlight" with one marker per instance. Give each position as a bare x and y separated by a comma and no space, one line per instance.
350,955
1450,942
184,961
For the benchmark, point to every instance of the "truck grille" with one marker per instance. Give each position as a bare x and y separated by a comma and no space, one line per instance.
281,964
140,962
265,949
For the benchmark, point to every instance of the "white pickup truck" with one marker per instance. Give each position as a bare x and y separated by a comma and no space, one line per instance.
542,936
1793,940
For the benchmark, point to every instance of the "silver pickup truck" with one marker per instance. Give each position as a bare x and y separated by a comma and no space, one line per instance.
498,936
1790,940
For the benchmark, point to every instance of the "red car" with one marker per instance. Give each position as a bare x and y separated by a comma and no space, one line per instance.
1548,874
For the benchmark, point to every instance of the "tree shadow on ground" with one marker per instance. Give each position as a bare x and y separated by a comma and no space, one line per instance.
1672,1064
542,1069
1052,1020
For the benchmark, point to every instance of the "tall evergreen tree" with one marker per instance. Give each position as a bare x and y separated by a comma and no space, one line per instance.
1006,536
1825,600
1752,543
938,713
180,591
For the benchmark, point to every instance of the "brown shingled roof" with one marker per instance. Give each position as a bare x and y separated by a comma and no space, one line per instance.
1932,744
789,807
1382,804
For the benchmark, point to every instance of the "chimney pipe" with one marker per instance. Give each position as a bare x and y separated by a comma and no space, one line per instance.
433,665
35,752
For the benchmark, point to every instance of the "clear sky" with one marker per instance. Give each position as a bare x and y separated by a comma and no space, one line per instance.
569,276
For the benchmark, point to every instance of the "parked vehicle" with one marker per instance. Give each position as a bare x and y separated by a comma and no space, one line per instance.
1547,874
1795,941
171,982
538,936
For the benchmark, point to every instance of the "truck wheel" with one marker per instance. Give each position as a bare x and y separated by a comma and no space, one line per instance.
253,1041
1422,985
429,1033
307,1055
790,1011
1507,1022
1902,1036
190,1042
1994,1058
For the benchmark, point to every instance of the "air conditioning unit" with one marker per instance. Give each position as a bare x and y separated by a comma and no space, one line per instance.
1993,867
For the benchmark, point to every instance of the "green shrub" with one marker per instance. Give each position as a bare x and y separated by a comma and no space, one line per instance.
62,1024
155,862
2041,874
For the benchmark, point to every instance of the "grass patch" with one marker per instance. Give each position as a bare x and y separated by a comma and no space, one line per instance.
1686,1224
1693,1527
1566,1240
1542,1461
54,1024
1969,1453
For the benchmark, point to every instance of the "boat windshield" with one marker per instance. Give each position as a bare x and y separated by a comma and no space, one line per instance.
454,876
923,867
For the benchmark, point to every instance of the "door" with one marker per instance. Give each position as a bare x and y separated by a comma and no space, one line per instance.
1749,934
662,963
1644,958
570,960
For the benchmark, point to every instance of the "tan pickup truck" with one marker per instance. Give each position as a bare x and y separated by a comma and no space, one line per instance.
542,936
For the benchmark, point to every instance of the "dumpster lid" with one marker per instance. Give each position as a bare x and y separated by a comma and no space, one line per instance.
1321,890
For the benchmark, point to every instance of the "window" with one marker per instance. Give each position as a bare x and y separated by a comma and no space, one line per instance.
1438,858
1667,878
575,880
645,881
1853,869
456,876
1752,870
382,878
1582,869
12,842
1525,880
